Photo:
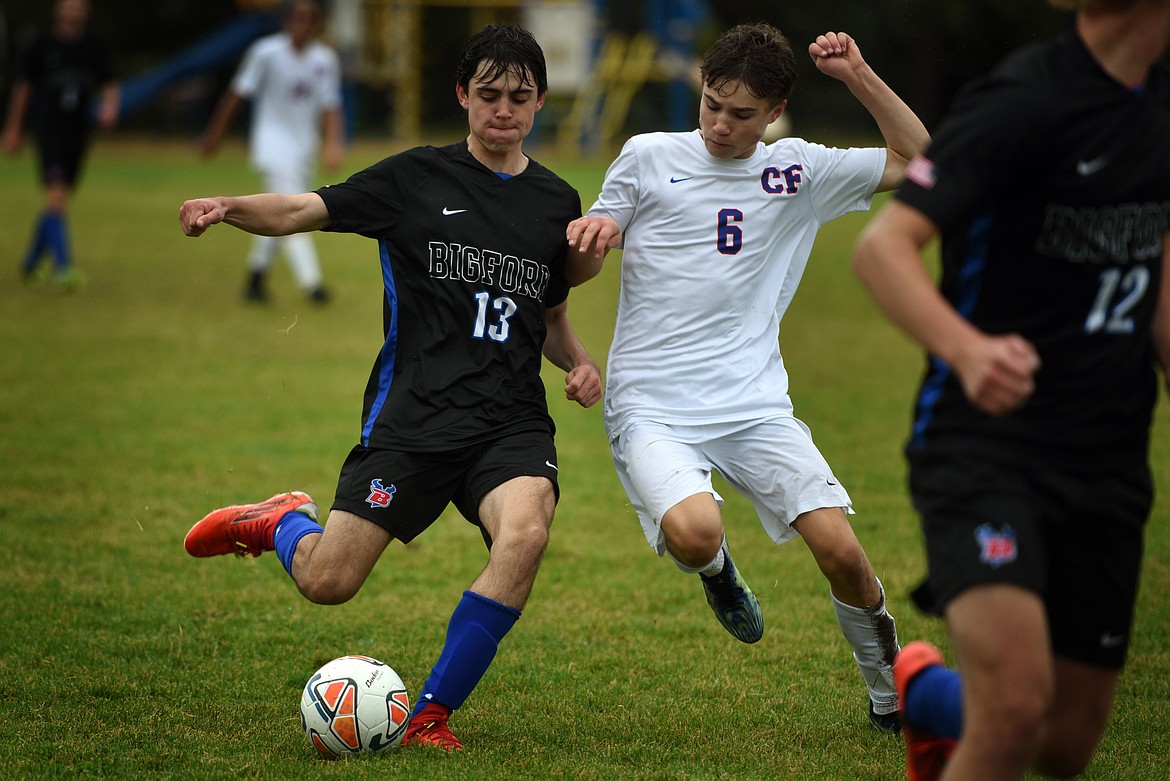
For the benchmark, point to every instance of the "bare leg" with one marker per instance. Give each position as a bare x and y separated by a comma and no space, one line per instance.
1077,720
329,568
1000,635
517,515
841,559
859,604
694,530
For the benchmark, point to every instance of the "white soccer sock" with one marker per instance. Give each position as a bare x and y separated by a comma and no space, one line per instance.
302,257
874,638
713,567
262,254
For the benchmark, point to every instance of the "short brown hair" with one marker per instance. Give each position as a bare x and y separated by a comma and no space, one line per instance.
758,56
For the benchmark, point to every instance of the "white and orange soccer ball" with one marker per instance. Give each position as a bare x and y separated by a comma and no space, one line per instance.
354,704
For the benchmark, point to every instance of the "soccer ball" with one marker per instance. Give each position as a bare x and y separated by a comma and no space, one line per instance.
354,704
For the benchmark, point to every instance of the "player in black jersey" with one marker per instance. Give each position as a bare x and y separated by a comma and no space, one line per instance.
471,239
1049,185
57,80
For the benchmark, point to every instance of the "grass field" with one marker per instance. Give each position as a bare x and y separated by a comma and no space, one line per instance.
132,407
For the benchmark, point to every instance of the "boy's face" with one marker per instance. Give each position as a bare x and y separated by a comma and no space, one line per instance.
301,23
500,112
733,121
72,13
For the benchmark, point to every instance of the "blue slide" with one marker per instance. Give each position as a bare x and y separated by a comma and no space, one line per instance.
229,42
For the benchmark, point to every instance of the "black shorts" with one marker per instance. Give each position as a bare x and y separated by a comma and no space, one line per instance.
61,156
1072,536
405,493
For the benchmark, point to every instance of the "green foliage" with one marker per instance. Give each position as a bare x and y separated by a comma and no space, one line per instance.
130,408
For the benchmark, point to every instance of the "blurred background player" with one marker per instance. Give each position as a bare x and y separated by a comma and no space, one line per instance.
294,83
1049,186
696,381
57,80
472,247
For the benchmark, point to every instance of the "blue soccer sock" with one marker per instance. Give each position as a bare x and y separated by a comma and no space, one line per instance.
474,633
57,237
934,702
38,244
288,533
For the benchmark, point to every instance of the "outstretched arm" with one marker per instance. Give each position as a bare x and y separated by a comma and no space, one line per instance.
996,370
837,55
266,214
564,349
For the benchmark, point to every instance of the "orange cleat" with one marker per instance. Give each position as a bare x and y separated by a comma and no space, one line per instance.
926,752
429,728
245,529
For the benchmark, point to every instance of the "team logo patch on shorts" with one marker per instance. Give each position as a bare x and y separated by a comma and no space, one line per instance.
997,545
379,496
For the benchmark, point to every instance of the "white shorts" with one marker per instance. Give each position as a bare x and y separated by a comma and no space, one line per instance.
289,179
772,462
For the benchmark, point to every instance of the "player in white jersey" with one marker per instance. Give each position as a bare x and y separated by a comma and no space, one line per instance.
716,228
294,83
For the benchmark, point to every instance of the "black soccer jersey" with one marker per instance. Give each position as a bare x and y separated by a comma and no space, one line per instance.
1050,184
469,262
65,77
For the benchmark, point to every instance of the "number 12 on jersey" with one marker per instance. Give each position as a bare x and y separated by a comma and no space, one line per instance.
1117,295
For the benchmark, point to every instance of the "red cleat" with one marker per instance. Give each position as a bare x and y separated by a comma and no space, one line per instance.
245,529
429,728
926,753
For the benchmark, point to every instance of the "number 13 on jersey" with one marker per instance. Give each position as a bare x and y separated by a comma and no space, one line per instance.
501,309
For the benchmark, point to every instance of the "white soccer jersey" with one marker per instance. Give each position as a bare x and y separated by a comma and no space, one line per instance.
288,90
713,253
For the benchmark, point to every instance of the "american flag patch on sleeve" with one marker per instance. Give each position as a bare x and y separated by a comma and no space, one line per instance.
921,172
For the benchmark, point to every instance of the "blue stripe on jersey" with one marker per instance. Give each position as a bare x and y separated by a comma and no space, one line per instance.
389,353
967,291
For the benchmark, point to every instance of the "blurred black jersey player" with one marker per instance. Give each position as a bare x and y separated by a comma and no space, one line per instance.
1049,184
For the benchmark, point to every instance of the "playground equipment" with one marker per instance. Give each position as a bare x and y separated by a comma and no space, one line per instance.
225,45
624,65
381,45
391,54
601,76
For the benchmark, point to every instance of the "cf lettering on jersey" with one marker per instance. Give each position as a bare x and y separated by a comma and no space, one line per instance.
783,182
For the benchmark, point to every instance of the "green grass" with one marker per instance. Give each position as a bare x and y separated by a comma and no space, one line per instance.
134,406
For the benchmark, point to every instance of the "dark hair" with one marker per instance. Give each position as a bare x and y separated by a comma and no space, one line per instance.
288,6
509,48
758,56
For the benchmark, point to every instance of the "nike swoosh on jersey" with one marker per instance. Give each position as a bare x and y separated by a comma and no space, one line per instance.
1111,641
1090,167
554,466
448,212
677,179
